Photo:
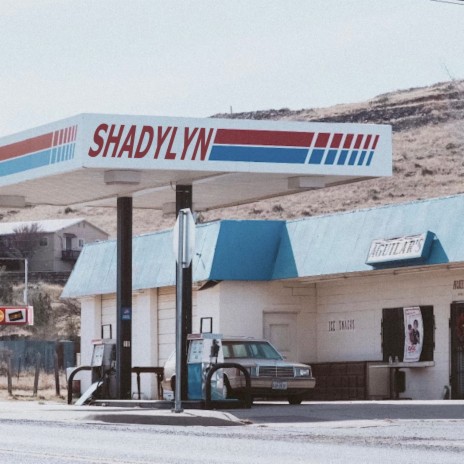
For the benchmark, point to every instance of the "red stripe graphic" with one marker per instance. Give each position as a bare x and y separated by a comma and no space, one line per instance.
31,145
348,141
41,142
367,142
375,142
337,138
358,141
322,140
263,137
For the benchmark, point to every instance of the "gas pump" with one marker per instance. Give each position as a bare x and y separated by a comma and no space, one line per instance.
103,366
205,350
103,372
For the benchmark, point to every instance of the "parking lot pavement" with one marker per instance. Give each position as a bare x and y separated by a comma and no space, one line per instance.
333,413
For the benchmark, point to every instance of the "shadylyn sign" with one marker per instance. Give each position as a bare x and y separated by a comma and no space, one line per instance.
92,158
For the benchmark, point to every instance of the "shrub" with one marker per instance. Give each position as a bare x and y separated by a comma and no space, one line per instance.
427,172
277,208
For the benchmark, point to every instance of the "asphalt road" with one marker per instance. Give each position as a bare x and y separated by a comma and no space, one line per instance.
398,432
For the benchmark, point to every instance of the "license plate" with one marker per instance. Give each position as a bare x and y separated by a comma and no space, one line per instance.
279,385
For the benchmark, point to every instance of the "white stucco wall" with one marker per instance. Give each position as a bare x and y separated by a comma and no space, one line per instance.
358,301
144,340
337,320
208,305
243,305
101,310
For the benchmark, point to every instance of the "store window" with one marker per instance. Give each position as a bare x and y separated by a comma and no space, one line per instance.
43,242
408,334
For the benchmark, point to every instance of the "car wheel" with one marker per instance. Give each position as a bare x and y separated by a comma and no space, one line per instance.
295,399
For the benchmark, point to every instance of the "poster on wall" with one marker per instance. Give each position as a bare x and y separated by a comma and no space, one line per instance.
413,334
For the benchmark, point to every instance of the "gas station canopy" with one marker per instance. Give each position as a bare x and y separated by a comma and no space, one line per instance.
173,164
94,158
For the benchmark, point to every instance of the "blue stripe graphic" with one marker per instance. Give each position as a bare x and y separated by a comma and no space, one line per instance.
258,154
371,155
330,158
361,158
353,156
316,156
34,160
342,158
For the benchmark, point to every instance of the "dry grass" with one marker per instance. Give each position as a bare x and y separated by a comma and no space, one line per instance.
23,387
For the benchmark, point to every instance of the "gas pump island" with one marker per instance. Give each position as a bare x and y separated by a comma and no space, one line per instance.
134,161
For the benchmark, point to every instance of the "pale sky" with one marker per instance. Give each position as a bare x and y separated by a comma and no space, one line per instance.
197,58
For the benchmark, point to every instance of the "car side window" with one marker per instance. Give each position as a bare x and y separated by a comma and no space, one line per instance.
234,350
226,351
240,351
254,350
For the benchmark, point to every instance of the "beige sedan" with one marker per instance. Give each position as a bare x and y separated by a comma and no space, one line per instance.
271,375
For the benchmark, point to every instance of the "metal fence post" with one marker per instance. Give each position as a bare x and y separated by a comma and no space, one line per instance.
36,377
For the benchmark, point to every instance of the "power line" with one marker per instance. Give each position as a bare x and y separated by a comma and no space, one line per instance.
452,2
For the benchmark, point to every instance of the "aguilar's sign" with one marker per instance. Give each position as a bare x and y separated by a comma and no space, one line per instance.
410,247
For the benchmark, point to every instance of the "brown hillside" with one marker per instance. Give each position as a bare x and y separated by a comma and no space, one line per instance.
428,161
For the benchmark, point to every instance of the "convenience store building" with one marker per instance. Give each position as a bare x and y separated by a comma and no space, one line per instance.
337,291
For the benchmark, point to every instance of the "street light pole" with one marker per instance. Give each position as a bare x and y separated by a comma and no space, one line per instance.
26,281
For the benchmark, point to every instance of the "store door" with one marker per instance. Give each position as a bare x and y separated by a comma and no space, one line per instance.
457,350
280,330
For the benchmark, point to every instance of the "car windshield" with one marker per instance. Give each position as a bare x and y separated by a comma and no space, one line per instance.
247,349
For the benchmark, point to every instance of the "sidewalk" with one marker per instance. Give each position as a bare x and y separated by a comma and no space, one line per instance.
314,414
57,412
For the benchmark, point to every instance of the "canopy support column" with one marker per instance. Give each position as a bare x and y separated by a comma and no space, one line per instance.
184,200
124,299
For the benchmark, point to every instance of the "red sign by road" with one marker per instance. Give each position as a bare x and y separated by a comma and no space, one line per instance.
16,315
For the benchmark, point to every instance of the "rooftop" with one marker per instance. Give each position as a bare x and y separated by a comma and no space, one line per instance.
309,248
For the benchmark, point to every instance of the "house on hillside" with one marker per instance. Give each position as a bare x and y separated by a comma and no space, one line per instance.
54,245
